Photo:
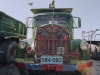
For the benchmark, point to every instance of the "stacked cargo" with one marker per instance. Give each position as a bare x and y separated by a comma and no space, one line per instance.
11,25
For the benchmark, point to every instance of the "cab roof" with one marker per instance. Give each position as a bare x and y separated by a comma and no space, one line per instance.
43,10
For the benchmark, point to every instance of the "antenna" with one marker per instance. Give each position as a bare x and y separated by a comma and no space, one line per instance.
52,5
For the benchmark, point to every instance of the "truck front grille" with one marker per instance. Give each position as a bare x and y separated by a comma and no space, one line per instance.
49,39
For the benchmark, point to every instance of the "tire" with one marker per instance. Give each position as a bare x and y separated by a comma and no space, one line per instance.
23,72
2,48
11,52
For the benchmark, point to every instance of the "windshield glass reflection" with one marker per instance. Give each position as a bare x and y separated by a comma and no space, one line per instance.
48,19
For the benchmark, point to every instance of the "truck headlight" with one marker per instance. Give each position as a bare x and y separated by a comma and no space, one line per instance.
22,45
84,46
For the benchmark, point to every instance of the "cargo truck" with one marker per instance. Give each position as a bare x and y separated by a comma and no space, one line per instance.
52,48
11,31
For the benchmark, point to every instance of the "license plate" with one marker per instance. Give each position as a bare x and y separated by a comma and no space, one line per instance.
51,60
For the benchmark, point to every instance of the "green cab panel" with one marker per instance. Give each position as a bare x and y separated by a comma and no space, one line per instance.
20,53
75,44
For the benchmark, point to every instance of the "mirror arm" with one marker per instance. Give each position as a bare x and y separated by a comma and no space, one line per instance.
75,17
27,21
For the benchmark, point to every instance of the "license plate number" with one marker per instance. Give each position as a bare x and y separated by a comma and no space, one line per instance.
51,59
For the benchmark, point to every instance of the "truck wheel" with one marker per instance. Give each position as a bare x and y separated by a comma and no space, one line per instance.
23,72
11,52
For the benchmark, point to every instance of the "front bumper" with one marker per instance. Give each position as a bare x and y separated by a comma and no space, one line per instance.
45,67
57,67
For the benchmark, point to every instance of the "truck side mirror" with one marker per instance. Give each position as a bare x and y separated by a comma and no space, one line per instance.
29,22
79,22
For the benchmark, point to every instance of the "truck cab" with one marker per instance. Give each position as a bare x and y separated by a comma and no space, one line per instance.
52,48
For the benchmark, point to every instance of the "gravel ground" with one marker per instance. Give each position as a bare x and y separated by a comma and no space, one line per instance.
8,70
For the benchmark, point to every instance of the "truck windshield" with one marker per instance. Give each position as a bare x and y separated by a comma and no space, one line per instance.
48,19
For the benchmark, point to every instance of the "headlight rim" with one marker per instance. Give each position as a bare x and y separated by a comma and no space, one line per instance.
20,46
86,46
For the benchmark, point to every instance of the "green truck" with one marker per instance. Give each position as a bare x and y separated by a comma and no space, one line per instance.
52,48
11,32
94,43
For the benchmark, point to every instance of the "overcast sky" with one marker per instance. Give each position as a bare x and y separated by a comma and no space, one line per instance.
87,10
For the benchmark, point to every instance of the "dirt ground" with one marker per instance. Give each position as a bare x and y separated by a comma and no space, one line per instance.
8,70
